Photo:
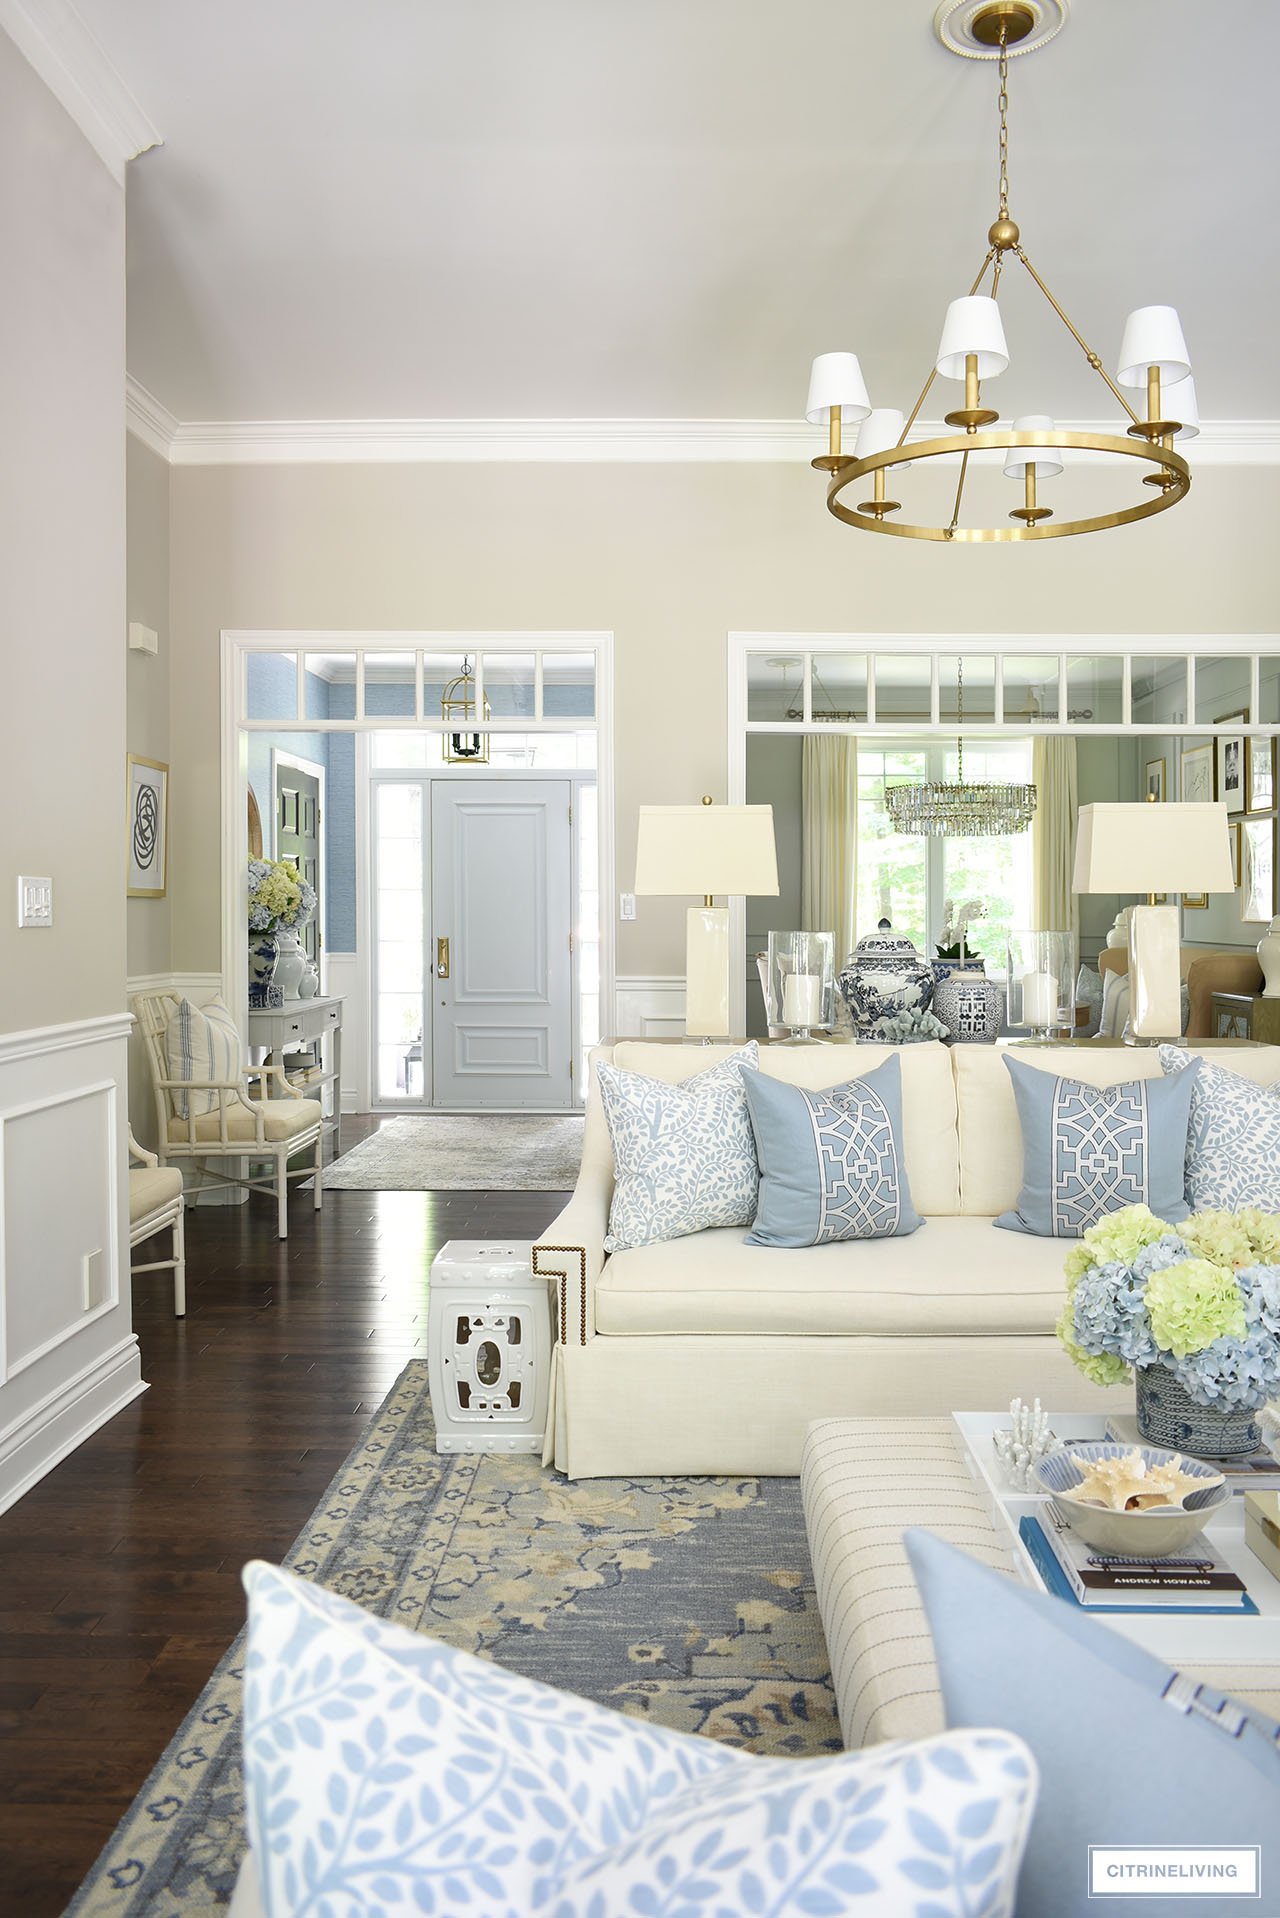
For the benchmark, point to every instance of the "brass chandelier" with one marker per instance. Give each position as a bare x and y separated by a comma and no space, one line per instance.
1153,356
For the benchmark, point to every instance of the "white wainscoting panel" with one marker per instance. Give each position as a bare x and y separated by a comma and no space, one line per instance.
68,1356
649,1008
341,981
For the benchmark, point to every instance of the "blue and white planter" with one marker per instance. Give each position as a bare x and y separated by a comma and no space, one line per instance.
884,975
263,957
1169,1416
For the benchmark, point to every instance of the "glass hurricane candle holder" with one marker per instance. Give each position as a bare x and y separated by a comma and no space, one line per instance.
802,980
1042,983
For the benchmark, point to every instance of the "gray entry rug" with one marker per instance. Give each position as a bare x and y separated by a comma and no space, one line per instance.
440,1153
685,1600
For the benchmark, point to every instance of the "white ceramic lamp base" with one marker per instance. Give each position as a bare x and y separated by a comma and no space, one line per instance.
1155,973
707,972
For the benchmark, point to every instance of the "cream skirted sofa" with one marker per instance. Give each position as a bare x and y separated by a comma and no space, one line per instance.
707,1355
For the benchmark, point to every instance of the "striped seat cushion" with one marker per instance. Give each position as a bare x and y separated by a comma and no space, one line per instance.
202,1044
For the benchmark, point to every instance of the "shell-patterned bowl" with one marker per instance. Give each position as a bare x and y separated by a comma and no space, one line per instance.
1156,1533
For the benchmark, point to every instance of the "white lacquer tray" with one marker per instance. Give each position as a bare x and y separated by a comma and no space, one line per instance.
1181,1638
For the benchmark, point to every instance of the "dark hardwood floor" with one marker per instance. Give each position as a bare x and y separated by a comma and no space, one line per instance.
119,1573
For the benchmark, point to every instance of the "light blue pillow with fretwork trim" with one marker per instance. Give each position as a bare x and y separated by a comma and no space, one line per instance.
683,1156
1130,1752
831,1164
387,1774
1089,1150
201,1043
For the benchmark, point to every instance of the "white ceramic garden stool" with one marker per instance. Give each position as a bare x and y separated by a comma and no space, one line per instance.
488,1347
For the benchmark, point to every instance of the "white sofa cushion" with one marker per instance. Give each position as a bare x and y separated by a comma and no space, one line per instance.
955,1278
928,1096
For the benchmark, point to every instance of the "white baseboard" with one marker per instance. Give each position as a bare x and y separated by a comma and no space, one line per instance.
649,1007
33,1444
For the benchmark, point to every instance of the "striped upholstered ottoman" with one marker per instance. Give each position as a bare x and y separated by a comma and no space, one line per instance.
864,1482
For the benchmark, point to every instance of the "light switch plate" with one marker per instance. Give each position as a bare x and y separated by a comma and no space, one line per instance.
35,901
626,905
143,639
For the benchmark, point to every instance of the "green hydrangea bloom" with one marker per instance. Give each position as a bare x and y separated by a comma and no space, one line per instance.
1079,1259
1120,1236
1248,1237
1193,1303
1104,1368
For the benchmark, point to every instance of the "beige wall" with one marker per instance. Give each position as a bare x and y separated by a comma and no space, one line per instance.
61,557
147,677
670,558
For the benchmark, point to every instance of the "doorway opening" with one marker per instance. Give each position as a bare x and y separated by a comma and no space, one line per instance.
484,926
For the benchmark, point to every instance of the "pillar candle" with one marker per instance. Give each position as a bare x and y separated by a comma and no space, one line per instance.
1039,999
801,999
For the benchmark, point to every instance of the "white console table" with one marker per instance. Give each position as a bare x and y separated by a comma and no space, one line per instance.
277,1031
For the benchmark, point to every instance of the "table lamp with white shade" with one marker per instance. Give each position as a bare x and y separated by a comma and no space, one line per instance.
706,850
1129,847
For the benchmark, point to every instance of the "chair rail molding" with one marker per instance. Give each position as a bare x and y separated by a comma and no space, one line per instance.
68,1356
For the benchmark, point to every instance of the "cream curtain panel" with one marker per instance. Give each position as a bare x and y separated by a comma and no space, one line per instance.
829,817
1053,835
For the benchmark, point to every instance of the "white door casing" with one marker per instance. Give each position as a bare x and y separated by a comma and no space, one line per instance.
502,897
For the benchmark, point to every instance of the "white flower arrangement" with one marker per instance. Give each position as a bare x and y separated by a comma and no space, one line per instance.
277,895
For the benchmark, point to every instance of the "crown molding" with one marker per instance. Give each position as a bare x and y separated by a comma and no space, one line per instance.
58,44
147,418
641,442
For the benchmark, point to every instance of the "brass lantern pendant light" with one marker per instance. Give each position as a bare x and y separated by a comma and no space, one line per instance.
1153,357
463,744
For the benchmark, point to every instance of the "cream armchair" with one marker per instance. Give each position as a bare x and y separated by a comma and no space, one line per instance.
276,1124
155,1202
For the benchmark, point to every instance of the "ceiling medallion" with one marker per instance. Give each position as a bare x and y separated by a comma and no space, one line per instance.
1153,355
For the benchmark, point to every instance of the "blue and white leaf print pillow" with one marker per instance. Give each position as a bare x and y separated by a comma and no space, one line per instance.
683,1155
390,1775
1233,1140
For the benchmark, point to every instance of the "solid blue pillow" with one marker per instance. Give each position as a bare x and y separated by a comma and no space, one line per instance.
1129,1751
1090,1150
831,1164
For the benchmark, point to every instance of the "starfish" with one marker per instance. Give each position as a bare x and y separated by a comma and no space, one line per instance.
1129,1484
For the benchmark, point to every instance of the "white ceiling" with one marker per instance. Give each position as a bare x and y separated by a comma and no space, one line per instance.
575,209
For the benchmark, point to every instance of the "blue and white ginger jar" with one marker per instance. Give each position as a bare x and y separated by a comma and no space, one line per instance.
883,975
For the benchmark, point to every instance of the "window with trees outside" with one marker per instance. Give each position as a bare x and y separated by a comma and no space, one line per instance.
909,879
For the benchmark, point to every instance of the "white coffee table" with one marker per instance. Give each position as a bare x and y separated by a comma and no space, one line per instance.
1181,1638
866,1481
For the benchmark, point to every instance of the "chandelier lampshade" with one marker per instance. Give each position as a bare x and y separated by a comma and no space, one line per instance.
1152,337
973,348
836,385
972,327
1043,463
881,430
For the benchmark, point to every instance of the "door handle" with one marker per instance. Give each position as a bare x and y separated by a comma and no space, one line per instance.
442,958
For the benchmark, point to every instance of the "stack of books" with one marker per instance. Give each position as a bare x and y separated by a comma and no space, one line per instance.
1203,1582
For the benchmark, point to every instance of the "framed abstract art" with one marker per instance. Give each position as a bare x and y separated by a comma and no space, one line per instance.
147,826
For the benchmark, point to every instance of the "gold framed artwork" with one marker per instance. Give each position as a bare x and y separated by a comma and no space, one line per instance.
1233,840
146,826
1155,779
1258,870
1230,764
1195,901
1196,774
1260,784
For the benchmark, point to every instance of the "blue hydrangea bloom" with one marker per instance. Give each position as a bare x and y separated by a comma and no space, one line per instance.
1232,1374
1110,1313
1260,1285
1170,1250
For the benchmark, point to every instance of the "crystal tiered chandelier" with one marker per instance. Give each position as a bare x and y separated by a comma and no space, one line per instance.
1153,356
945,809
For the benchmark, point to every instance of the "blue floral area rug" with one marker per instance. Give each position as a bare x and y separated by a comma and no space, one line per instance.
685,1600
